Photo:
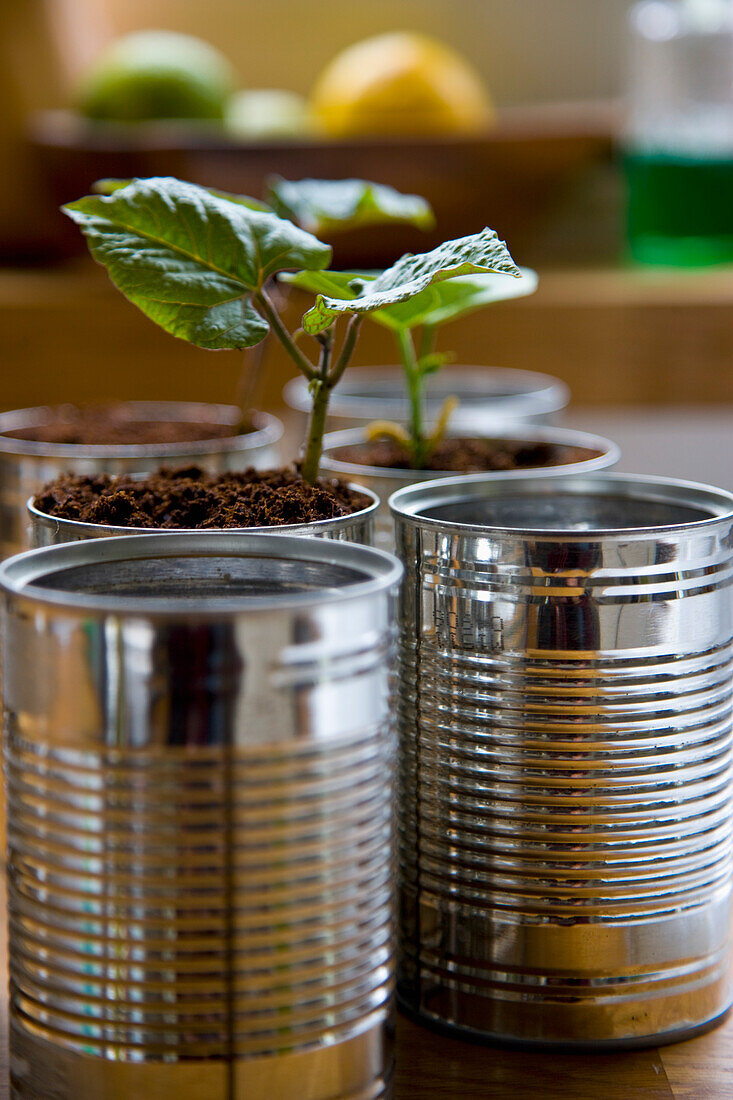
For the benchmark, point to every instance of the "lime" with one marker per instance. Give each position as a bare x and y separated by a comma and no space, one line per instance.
268,112
399,84
157,74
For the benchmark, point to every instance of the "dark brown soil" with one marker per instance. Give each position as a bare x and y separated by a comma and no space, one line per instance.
114,425
190,498
467,456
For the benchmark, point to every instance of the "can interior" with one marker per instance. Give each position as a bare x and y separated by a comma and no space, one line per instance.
225,578
568,511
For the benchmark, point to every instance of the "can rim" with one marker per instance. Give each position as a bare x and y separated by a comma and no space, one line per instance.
536,393
267,432
95,530
406,504
609,455
381,572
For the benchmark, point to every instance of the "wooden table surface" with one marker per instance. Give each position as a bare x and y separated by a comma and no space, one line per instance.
431,1067
680,443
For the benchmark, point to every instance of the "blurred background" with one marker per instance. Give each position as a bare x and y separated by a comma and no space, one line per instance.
550,166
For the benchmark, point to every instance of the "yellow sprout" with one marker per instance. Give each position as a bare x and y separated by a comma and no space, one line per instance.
387,429
447,409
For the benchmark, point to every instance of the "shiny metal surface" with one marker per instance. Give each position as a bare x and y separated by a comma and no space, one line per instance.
384,482
198,757
26,466
565,774
490,397
45,530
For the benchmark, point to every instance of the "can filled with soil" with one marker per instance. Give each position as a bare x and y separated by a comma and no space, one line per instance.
565,717
543,450
75,508
199,761
39,444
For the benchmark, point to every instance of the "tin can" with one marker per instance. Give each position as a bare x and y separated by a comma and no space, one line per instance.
46,530
490,398
585,452
565,725
26,465
198,758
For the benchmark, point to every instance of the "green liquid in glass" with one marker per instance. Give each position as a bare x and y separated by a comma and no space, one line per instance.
680,208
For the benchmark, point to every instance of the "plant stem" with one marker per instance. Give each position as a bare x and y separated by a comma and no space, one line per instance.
415,394
248,385
322,379
321,389
347,349
301,361
427,340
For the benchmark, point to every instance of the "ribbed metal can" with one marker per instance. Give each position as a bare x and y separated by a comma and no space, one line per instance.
566,684
26,465
46,530
199,759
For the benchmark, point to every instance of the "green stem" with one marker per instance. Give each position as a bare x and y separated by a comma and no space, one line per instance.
414,381
326,379
427,340
347,349
321,388
322,379
301,361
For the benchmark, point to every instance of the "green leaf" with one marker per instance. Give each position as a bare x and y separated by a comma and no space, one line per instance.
454,298
481,253
440,303
335,283
190,259
457,297
109,186
324,207
348,285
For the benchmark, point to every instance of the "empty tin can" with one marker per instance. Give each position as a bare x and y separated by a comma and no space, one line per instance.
565,727
198,758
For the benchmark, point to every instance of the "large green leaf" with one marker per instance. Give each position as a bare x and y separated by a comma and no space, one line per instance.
191,260
411,275
438,304
324,207
109,186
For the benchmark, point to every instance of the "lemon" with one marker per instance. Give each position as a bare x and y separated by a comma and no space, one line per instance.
398,84
259,113
157,74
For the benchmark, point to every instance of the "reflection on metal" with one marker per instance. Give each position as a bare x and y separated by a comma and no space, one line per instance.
199,772
565,725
